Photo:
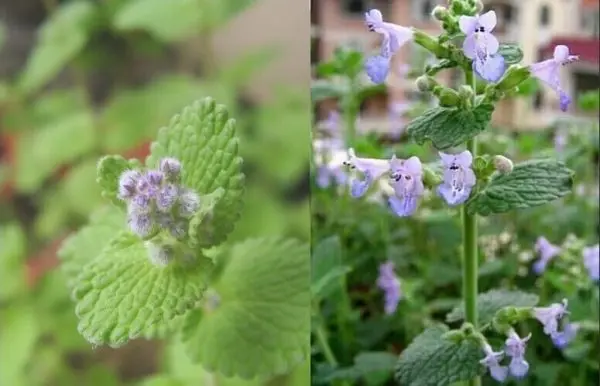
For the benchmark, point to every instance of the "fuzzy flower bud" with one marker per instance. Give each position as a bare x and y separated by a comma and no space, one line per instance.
160,255
171,168
128,184
465,92
424,83
189,202
502,164
439,13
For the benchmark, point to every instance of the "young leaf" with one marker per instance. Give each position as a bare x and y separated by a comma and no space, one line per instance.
203,139
201,228
60,39
448,127
433,360
327,268
121,295
490,302
262,322
109,170
85,245
511,52
531,183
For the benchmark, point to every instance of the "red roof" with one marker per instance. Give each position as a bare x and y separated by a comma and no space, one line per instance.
587,49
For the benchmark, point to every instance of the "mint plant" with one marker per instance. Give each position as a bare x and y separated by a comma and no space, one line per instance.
477,184
156,263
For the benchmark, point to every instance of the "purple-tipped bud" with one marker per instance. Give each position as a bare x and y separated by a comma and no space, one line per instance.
159,255
128,183
189,202
140,202
171,168
140,223
166,197
154,177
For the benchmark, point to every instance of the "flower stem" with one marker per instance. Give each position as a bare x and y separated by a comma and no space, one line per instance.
327,352
470,256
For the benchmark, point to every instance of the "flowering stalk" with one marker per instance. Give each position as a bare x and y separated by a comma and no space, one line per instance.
470,257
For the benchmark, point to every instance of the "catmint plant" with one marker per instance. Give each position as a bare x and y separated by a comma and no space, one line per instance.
158,263
473,184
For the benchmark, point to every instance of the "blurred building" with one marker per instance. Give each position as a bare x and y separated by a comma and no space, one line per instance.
537,25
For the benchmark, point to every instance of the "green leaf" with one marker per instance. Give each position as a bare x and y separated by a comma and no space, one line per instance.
109,170
166,20
19,332
203,139
365,365
62,36
433,360
244,68
41,152
201,229
12,255
325,89
490,302
448,127
531,183
327,267
262,322
84,246
512,53
121,295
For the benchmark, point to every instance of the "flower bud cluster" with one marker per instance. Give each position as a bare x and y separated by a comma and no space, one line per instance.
156,200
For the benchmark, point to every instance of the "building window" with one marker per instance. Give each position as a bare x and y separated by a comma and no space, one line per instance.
545,15
354,7
421,9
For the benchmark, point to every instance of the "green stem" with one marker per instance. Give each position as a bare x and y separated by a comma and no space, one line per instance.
470,256
327,352
350,114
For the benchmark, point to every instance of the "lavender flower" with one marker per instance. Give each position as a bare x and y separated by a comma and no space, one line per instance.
166,197
492,362
550,316
332,124
548,72
377,68
407,181
394,37
370,168
481,46
562,338
128,184
389,283
546,251
140,223
459,178
591,261
515,348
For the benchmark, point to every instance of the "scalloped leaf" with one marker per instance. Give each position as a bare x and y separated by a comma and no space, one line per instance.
109,170
201,229
84,246
203,139
121,296
261,325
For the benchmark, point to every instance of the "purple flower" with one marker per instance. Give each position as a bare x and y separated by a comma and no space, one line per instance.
171,168
591,261
546,251
140,223
377,68
389,283
128,184
548,72
515,348
550,316
332,124
562,338
492,362
406,179
166,197
459,178
328,174
560,140
481,46
394,36
371,169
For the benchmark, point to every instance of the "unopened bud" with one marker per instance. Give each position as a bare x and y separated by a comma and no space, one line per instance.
466,92
430,178
458,7
425,83
455,336
503,164
160,255
439,13
514,76
449,98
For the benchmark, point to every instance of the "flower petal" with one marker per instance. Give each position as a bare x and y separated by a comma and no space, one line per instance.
403,207
464,159
470,46
491,68
561,53
377,68
467,24
488,21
